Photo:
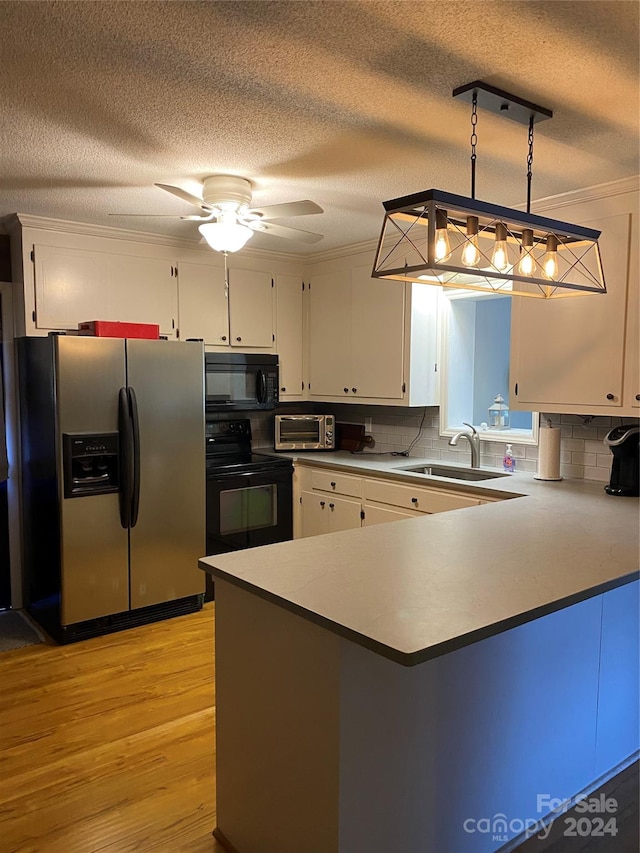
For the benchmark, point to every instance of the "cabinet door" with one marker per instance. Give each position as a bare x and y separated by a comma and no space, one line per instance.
71,287
343,513
570,351
329,335
377,336
381,514
632,348
315,515
289,335
143,290
203,306
251,309
74,285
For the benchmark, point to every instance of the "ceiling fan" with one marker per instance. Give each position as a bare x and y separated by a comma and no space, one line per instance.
227,219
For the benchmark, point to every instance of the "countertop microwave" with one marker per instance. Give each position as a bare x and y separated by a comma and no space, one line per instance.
240,381
304,432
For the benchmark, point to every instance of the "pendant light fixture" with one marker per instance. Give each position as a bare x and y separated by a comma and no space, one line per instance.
444,239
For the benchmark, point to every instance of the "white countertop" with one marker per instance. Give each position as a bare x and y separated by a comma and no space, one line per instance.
415,589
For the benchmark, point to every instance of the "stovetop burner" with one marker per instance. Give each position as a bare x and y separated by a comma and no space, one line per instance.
228,449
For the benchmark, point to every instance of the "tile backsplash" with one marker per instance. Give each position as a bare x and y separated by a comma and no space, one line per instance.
582,453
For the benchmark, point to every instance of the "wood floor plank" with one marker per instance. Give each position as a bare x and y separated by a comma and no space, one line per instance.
108,745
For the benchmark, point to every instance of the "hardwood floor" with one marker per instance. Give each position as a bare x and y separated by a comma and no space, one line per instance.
108,745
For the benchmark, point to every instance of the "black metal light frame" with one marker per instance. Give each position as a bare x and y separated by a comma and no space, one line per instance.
562,259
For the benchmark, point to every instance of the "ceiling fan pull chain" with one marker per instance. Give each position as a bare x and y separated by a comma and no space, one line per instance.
226,275
530,165
474,142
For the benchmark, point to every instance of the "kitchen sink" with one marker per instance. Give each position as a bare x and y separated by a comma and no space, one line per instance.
454,473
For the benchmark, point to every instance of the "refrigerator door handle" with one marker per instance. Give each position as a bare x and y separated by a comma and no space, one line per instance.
126,457
135,428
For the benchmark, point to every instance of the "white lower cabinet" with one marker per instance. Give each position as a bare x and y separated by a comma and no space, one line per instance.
380,514
326,501
323,513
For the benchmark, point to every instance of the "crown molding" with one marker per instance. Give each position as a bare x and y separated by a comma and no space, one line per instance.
621,186
342,251
14,221
87,229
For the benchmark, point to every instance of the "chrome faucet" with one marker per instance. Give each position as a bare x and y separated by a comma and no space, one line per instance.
474,443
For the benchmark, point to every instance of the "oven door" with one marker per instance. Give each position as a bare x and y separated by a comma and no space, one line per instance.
250,509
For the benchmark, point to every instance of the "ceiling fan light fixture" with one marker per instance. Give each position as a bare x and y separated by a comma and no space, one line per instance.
227,234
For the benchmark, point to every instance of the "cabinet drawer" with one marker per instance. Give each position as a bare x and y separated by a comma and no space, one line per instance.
339,484
424,500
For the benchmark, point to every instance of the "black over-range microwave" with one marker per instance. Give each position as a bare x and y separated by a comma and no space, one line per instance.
240,381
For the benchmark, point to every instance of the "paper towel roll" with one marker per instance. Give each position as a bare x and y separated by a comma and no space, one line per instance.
548,454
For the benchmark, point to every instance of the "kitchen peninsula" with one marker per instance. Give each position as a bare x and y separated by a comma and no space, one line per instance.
386,689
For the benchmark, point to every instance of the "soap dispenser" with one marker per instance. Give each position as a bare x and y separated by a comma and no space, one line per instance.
508,461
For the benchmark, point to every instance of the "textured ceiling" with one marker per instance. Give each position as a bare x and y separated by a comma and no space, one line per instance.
347,103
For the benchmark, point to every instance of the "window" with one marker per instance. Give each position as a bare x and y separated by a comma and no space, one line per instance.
476,338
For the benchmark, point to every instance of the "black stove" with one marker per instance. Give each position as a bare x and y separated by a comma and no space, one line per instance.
249,495
228,449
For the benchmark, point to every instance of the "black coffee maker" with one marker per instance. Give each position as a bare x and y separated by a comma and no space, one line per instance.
624,443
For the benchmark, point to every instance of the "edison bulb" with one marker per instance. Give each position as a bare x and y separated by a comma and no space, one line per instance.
527,265
471,252
500,257
442,247
550,260
550,265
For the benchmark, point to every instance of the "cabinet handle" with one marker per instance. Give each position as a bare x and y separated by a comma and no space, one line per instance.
637,396
609,396
224,338
346,390
414,500
238,339
283,389
331,506
333,485
354,390
321,503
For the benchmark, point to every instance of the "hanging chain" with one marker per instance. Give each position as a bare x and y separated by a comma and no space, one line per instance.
530,164
474,142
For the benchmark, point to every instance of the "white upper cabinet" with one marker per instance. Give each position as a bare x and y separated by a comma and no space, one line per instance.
251,309
203,306
377,336
75,285
289,335
580,354
371,340
238,316
329,335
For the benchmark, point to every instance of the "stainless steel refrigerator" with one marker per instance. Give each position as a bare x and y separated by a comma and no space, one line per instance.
113,481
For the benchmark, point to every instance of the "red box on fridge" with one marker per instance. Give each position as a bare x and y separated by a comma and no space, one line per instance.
111,329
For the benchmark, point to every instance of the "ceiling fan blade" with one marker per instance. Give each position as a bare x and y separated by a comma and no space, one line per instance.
289,208
167,216
184,195
287,233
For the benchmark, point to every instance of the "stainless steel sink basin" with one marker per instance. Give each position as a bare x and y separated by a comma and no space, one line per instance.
454,473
